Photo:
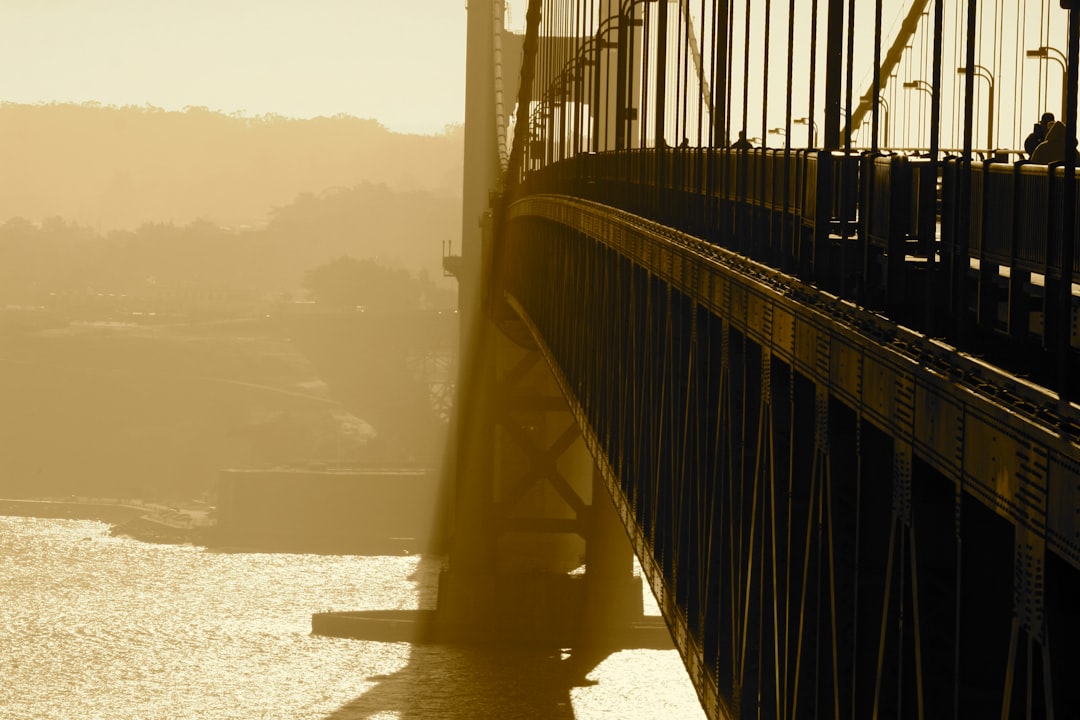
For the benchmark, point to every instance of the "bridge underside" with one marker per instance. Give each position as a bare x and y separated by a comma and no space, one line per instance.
814,492
538,553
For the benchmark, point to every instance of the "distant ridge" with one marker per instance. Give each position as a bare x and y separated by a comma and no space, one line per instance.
119,167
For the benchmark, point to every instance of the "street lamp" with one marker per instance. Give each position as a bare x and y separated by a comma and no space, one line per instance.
809,123
1043,53
926,88
985,74
920,85
885,106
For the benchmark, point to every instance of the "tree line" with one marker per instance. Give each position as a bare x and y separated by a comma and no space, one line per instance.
366,233
119,167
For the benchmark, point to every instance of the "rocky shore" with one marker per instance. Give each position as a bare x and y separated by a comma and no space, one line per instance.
135,519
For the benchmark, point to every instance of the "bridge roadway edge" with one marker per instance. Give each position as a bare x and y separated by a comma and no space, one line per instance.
1007,442
676,621
1000,440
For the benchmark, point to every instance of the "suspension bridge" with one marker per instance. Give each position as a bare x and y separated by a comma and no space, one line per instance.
775,290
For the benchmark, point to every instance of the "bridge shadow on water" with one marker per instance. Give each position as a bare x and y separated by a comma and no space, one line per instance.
464,681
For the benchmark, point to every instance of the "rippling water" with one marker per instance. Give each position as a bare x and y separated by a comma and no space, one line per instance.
93,627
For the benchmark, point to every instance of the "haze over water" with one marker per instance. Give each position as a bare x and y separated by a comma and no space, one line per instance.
94,627
207,212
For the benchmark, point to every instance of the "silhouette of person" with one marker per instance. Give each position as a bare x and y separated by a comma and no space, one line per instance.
742,143
1037,135
685,143
1052,148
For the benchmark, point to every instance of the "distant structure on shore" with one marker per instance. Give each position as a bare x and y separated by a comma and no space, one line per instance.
362,511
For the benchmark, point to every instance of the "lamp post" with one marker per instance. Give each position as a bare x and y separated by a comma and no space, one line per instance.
926,88
601,44
809,123
885,106
1043,53
920,85
985,74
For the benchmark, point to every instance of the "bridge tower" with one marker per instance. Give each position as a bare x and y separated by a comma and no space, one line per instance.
526,506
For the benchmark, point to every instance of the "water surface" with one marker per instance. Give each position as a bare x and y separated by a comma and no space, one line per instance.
93,626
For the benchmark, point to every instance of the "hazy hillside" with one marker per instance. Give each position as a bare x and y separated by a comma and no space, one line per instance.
147,260
109,167
399,229
109,199
118,409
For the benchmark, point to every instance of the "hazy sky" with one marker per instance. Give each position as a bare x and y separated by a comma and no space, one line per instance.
401,62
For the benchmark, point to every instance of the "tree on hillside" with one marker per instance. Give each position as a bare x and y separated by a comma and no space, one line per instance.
348,282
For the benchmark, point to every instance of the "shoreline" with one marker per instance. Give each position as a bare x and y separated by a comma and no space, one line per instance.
166,525
127,519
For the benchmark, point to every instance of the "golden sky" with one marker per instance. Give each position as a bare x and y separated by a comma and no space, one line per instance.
401,62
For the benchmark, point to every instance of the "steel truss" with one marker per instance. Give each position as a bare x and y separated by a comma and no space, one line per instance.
838,517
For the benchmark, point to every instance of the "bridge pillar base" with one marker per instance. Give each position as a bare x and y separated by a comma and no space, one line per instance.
505,607
536,608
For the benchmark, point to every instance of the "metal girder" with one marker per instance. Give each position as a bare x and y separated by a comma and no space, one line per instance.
814,492
951,407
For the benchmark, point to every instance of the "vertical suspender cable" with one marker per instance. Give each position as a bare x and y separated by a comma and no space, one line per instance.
559,88
999,38
768,240
705,94
646,79
876,100
730,69
958,89
907,104
1018,76
661,155
845,166
705,72
977,88
1040,74
969,78
746,69
928,204
591,83
717,129
813,73
787,242
548,89
790,77
765,82
691,55
999,33
684,48
965,176
1068,234
574,77
661,76
921,57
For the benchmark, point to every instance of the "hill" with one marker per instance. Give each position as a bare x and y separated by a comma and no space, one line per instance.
203,199
119,167
117,409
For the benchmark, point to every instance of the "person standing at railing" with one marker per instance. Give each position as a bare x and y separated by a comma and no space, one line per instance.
1038,134
1052,149
742,143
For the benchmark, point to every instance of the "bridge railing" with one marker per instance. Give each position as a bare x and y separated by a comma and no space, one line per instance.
884,230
